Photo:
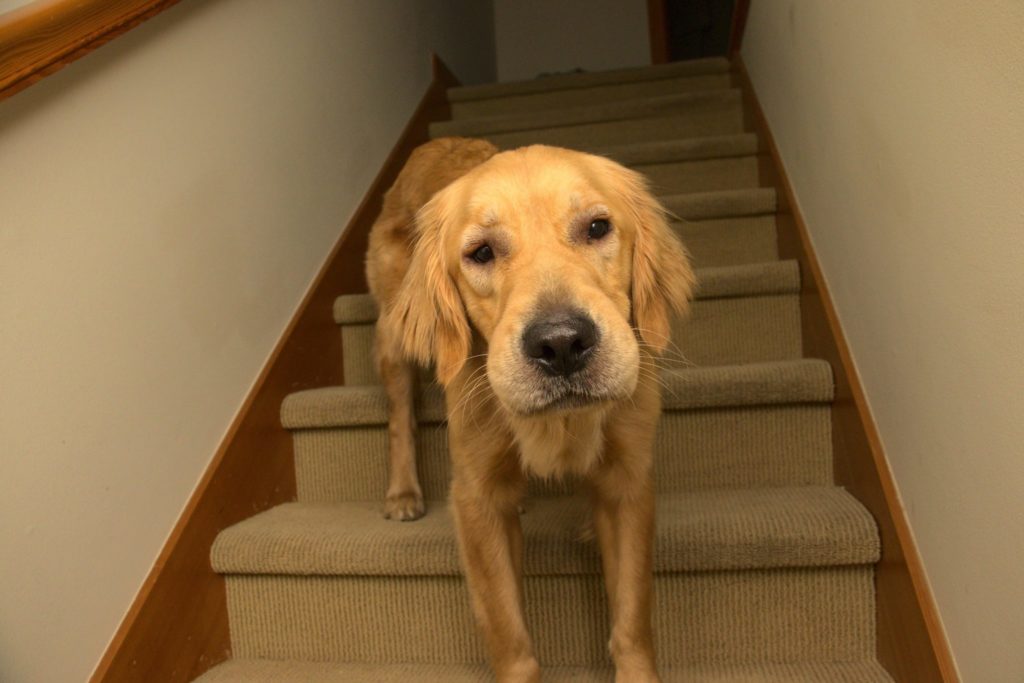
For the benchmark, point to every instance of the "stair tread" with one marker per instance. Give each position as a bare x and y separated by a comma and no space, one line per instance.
645,107
721,203
685,149
806,380
808,526
589,79
717,282
598,92
297,671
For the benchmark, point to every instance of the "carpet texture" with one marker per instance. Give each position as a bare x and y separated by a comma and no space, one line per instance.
295,671
695,67
767,615
712,147
807,526
695,105
764,569
610,92
784,444
724,119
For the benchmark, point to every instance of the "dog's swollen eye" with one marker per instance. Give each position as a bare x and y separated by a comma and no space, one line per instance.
482,254
598,229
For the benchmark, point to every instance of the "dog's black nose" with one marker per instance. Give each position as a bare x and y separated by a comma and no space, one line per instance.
560,344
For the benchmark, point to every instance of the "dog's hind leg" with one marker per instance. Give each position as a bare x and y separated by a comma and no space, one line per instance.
404,500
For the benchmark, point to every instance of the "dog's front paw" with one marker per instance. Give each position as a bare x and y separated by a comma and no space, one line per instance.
404,507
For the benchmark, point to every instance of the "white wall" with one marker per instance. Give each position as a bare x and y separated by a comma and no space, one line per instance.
542,36
901,125
164,204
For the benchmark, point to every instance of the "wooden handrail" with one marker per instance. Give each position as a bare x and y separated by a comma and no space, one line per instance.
43,36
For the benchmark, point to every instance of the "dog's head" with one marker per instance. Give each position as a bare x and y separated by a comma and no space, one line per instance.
562,261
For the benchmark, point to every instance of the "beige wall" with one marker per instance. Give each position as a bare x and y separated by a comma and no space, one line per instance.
541,36
8,5
901,125
164,204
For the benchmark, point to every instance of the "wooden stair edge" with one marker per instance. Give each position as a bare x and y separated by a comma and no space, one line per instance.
911,641
149,645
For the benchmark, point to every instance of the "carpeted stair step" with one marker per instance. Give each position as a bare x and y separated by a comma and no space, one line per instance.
592,95
703,175
698,106
745,426
695,206
295,671
717,116
742,314
686,149
735,241
762,574
722,529
570,81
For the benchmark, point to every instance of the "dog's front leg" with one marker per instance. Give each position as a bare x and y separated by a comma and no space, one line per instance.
404,501
490,543
624,523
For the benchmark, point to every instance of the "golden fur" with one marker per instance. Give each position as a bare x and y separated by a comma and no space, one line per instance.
430,168
535,210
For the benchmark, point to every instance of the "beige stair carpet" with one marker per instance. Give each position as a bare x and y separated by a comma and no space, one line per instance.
764,569
572,82
610,92
295,671
764,424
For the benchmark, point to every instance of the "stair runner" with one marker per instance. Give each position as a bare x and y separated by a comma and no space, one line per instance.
763,567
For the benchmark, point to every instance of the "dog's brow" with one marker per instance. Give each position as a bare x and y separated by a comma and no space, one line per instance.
490,218
590,212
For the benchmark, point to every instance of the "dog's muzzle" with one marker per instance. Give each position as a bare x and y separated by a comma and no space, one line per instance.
560,343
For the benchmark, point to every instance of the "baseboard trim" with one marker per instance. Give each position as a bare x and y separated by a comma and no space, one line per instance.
177,626
911,643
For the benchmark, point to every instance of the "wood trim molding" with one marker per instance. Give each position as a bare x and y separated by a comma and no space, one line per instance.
657,26
177,627
911,642
740,10
46,35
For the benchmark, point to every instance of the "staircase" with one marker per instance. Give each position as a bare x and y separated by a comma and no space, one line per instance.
764,568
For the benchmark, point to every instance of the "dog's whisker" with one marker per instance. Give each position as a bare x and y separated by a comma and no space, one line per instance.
655,376
670,346
477,387
464,400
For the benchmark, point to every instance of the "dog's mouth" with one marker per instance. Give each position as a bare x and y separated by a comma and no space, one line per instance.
567,398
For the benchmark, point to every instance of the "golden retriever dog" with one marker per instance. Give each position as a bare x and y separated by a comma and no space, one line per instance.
540,284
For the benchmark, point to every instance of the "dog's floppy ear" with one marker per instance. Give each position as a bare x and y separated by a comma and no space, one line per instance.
428,318
663,280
